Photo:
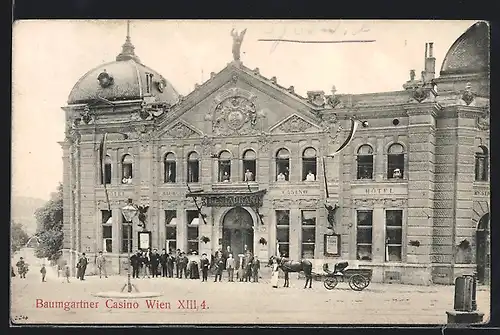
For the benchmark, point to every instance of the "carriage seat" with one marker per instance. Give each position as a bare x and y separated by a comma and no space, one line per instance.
340,267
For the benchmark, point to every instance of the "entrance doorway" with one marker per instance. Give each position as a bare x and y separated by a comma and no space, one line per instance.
237,231
483,249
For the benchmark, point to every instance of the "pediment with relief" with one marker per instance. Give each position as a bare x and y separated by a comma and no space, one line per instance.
295,124
182,130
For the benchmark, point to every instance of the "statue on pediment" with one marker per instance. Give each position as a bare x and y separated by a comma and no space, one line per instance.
237,41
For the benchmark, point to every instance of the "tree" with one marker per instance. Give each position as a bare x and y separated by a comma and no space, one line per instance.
18,237
50,223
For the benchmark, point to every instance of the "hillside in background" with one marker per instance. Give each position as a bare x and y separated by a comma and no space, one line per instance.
23,211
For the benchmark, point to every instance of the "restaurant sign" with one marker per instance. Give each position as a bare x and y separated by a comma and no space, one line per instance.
250,199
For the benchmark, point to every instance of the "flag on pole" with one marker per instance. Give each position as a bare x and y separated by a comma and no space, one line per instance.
354,127
102,164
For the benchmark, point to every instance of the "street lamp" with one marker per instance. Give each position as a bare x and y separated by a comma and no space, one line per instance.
129,212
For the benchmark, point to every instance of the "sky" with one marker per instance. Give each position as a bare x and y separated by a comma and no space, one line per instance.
50,56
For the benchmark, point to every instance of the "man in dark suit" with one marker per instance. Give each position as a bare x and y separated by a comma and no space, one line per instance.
163,262
155,261
178,263
204,264
82,266
183,264
170,264
135,262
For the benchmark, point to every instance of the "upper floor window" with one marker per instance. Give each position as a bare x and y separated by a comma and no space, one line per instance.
193,168
481,164
283,165
395,161
106,174
309,164
249,165
365,162
170,167
127,164
225,167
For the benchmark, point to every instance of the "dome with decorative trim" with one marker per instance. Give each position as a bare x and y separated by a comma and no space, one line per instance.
124,79
470,52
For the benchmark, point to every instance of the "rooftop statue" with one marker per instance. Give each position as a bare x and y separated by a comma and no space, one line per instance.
237,40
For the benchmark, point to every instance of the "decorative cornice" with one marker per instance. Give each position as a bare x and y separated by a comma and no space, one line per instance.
389,202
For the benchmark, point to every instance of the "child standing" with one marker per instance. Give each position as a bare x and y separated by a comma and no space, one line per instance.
43,271
67,273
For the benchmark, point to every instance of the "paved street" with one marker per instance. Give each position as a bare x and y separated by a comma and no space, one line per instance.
234,302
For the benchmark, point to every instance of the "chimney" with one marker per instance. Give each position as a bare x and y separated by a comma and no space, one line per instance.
430,62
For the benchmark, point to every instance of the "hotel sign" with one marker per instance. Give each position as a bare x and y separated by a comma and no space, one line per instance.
379,190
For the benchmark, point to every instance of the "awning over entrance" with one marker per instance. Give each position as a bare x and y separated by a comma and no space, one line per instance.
229,199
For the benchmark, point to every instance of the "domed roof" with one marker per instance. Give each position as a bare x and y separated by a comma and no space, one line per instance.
124,79
470,52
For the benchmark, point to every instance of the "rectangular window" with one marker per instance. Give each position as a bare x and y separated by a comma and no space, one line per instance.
171,230
193,171
308,233
170,172
107,231
394,234
364,235
127,238
224,170
192,231
107,173
149,80
283,232
395,166
309,169
282,169
365,167
249,169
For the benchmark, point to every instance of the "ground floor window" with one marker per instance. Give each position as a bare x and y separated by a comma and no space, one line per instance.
283,232
107,231
193,243
308,233
393,233
171,230
364,229
126,238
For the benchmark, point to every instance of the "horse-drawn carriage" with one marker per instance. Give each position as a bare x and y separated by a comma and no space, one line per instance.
358,279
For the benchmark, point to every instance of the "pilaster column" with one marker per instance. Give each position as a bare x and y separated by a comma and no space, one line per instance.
378,233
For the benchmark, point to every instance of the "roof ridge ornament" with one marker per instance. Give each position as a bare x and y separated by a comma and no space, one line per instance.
128,48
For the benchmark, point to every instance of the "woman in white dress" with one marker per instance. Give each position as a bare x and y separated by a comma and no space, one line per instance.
275,274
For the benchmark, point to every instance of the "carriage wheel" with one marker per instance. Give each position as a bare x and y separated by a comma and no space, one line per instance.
358,282
330,283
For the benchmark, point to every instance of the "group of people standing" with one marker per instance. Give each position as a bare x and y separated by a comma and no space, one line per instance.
147,264
151,264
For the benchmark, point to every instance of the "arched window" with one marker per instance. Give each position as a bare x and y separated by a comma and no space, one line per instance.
365,162
249,165
193,168
106,174
395,161
170,168
283,165
225,167
481,164
127,165
309,164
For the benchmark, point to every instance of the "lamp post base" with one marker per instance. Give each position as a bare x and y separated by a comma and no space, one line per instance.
130,287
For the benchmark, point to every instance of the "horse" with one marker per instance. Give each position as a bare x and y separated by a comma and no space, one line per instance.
293,266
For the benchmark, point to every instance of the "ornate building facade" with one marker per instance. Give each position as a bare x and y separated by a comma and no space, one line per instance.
244,162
